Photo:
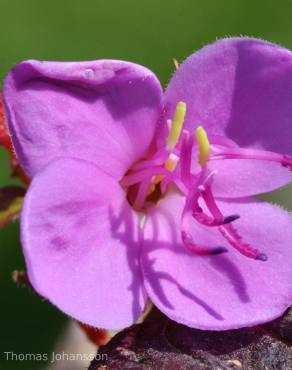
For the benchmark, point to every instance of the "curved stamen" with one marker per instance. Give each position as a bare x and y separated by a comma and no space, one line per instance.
200,191
186,235
211,204
204,190
232,236
199,249
205,220
240,153
228,231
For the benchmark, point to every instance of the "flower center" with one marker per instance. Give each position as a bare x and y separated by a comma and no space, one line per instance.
148,180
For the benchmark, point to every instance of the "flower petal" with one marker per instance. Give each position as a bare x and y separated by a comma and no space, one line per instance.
244,177
240,88
79,238
224,291
103,111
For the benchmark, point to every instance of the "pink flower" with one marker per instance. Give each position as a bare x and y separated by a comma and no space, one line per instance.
123,207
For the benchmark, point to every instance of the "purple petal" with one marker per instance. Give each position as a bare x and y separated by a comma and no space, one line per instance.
224,291
244,177
103,111
240,88
79,237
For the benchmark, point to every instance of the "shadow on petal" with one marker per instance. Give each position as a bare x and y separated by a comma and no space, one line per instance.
261,103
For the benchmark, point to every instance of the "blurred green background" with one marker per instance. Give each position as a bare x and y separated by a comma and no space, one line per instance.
149,32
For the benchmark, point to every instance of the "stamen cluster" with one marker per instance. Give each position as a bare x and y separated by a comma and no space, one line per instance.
148,181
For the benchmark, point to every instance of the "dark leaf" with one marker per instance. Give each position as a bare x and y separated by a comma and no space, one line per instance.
162,344
5,141
21,279
282,326
11,198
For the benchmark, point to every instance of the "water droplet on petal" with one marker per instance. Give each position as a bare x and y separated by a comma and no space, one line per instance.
89,73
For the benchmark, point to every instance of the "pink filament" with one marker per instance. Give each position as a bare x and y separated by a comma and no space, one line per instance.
198,191
141,194
201,250
186,236
227,229
240,153
139,176
158,159
232,236
186,159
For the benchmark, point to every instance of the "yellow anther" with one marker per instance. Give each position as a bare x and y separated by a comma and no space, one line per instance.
171,162
203,144
170,165
177,124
